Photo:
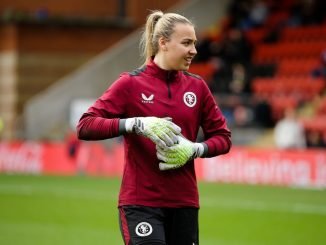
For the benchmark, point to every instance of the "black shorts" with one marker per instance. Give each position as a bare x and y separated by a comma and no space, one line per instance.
159,226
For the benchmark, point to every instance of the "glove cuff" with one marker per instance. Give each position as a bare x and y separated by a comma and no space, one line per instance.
129,125
199,150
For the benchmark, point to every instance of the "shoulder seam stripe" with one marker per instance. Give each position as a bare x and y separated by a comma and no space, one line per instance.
192,74
137,71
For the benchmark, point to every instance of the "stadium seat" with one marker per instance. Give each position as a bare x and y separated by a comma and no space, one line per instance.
280,103
305,88
304,33
316,123
256,36
321,107
271,53
277,18
297,67
205,69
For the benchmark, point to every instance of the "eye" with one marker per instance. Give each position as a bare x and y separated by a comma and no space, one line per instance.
187,43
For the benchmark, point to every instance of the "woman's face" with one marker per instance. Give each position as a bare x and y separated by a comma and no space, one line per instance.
180,49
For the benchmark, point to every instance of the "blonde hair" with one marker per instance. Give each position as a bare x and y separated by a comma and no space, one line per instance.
158,25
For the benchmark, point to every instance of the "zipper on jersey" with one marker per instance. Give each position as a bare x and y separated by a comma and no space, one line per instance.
169,90
168,78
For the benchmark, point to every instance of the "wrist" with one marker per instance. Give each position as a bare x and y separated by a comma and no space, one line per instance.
126,125
129,125
201,149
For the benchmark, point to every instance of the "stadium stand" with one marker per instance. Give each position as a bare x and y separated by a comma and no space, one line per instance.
40,43
257,55
93,77
287,68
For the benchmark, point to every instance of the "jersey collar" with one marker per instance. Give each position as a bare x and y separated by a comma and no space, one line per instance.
166,75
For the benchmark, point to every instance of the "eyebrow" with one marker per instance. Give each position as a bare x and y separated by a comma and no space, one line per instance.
189,39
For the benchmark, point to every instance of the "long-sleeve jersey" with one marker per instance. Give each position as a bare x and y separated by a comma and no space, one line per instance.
152,91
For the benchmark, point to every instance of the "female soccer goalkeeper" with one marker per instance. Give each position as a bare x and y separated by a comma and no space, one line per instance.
159,109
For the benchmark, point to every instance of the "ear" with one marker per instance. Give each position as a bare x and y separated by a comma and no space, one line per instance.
162,42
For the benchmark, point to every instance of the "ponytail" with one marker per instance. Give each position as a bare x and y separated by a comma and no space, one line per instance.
158,25
148,47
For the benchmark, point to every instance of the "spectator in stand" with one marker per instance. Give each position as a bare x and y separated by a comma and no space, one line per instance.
234,54
243,116
235,48
262,113
237,11
320,71
240,80
315,139
323,138
234,79
289,132
247,14
257,15
307,12
203,47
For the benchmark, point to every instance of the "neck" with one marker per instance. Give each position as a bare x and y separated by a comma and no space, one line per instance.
159,61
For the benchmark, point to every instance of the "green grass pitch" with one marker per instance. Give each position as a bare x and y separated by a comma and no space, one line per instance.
82,210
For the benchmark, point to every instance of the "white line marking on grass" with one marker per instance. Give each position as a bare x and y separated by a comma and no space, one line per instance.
242,204
302,208
58,192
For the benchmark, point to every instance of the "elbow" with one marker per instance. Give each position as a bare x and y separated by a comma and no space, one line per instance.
228,144
228,148
81,134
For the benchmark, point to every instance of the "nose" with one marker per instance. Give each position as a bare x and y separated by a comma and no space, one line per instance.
193,50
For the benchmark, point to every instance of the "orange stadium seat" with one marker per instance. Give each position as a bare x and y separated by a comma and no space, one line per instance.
265,53
256,35
277,18
283,92
298,67
303,87
206,70
317,123
286,4
321,107
280,103
302,33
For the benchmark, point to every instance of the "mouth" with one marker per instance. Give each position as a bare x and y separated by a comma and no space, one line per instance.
188,60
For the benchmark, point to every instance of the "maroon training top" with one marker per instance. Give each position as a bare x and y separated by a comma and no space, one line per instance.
151,91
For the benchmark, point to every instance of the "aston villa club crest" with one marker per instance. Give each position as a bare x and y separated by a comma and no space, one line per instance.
144,229
190,99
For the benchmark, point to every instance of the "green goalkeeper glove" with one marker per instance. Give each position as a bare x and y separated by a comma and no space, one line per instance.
162,131
179,154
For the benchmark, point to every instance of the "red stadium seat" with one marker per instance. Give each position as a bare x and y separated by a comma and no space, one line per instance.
304,88
206,70
266,53
256,36
317,123
280,103
321,107
304,33
297,67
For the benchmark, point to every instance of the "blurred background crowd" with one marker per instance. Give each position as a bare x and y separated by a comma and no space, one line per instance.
264,60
